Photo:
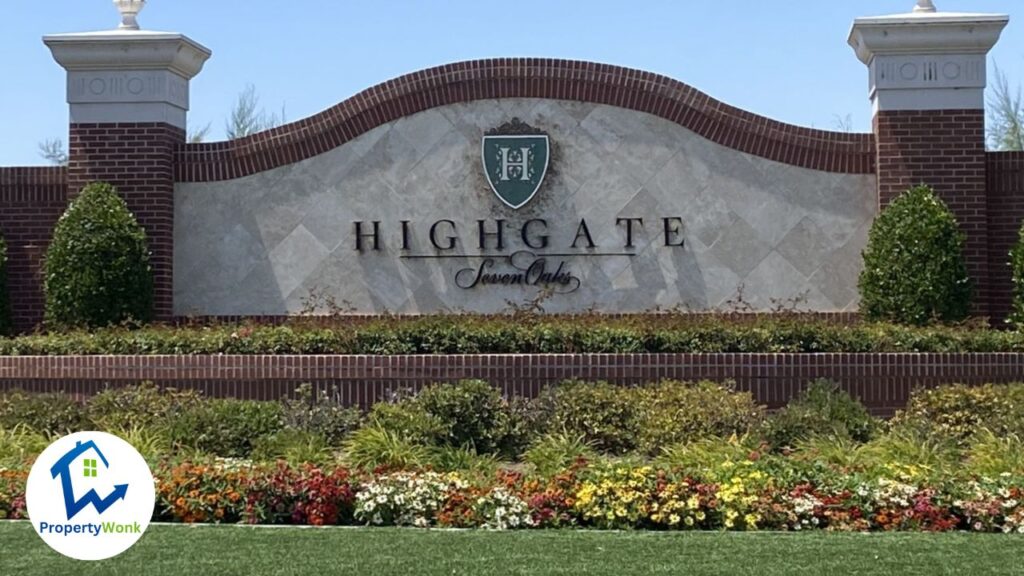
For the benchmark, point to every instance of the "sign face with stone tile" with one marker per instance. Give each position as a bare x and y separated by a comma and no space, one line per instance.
601,208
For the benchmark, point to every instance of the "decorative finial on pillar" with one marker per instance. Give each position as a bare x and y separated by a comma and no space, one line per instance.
129,10
924,6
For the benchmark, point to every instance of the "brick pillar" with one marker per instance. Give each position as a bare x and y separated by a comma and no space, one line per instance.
128,92
137,158
944,149
927,87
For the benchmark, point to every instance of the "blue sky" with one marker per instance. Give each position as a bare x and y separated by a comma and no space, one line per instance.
784,59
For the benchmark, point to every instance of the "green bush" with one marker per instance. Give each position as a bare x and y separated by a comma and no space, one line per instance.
604,415
929,456
403,417
462,459
141,406
19,445
622,419
914,270
1017,274
6,326
823,409
294,446
225,427
470,413
959,412
673,412
97,270
555,452
52,414
473,414
706,455
992,455
374,446
320,412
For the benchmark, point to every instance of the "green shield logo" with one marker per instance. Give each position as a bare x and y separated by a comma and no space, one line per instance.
515,166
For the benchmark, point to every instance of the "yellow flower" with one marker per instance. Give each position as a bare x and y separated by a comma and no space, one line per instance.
674,519
689,520
693,503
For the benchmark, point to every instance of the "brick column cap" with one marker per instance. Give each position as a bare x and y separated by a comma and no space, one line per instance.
927,60
129,50
128,76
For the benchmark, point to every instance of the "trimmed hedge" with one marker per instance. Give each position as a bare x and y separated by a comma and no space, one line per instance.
914,269
97,270
510,335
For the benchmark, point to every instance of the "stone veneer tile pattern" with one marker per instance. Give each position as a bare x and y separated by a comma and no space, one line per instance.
773,232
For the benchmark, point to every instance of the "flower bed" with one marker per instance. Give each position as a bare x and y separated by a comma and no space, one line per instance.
667,456
738,496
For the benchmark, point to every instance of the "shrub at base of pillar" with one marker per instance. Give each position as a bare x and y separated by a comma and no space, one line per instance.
97,270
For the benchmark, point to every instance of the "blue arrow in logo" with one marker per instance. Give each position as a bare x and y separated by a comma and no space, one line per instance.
63,469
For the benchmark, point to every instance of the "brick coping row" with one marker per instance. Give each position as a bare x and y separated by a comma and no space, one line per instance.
528,78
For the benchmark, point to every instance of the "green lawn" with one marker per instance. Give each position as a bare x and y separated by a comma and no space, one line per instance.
179,550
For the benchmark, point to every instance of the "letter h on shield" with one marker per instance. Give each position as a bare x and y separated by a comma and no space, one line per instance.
522,164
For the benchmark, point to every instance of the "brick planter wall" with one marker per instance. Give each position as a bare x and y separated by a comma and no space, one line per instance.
882,381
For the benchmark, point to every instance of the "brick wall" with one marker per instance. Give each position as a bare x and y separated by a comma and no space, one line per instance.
1005,195
944,149
941,148
882,381
139,160
31,201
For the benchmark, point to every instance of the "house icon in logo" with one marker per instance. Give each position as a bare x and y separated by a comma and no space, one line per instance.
63,468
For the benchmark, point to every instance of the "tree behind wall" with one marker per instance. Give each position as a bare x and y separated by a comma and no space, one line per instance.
914,269
1006,116
97,270
248,118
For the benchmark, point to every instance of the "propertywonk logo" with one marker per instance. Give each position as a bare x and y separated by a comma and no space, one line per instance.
90,495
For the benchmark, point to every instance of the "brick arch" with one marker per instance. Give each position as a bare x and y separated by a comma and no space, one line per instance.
527,78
